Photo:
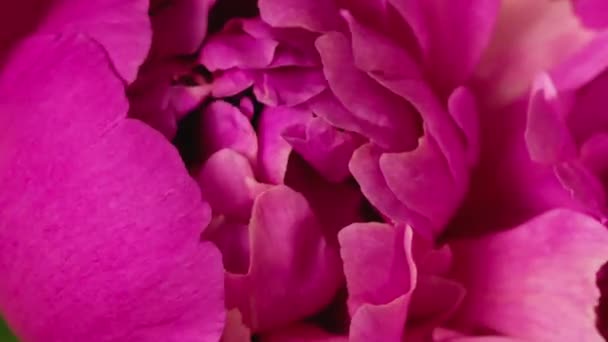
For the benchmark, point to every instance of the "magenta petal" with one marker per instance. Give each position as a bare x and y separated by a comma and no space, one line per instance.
463,109
537,281
393,119
274,149
593,153
289,86
365,167
325,148
235,330
313,15
235,48
452,35
376,53
288,251
593,13
121,27
231,82
225,126
100,223
422,180
380,275
547,134
228,183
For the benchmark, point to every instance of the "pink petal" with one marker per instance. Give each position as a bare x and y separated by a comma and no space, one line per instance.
375,52
274,149
313,15
100,224
227,182
380,275
452,35
464,110
549,28
395,124
233,47
231,82
289,86
235,330
537,281
325,148
225,126
593,13
365,167
547,134
121,27
288,251
422,181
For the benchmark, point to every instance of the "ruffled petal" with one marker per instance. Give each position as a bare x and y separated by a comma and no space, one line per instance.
225,126
313,15
288,251
274,149
452,35
547,134
325,148
380,276
537,281
396,123
100,225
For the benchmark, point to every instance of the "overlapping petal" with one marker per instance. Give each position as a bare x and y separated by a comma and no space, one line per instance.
535,282
100,222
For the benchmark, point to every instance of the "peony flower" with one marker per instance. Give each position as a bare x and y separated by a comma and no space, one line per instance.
214,170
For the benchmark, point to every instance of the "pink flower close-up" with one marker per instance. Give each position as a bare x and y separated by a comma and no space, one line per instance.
304,170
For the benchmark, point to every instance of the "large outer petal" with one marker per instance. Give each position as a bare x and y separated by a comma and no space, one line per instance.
536,282
122,27
100,222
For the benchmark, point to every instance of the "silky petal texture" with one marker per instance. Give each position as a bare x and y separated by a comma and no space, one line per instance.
179,26
460,29
380,276
392,117
313,15
365,167
274,150
549,28
121,27
293,272
100,221
325,148
593,13
289,86
228,183
376,53
225,126
445,335
536,282
547,134
235,47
